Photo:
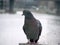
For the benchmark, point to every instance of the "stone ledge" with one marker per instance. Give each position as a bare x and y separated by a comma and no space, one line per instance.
30,44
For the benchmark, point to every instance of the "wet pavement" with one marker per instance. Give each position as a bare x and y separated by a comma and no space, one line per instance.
11,32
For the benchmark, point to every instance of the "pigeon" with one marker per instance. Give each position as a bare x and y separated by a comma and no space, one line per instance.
32,27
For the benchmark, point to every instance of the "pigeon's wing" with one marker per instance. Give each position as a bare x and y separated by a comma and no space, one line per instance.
40,27
24,29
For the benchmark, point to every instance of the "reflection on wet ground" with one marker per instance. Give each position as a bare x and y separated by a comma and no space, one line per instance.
11,32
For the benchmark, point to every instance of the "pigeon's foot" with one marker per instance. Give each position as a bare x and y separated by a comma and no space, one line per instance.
31,42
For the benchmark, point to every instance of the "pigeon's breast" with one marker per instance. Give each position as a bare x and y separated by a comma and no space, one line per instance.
32,29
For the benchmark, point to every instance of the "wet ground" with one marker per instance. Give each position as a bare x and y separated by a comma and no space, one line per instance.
11,32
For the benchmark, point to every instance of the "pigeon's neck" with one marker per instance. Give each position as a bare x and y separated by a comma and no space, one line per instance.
29,17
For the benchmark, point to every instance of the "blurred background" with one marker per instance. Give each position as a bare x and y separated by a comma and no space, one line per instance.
12,21
41,6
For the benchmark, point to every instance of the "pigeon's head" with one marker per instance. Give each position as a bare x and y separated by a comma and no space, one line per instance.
26,13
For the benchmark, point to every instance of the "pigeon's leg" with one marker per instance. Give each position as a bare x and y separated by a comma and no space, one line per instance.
31,40
36,40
